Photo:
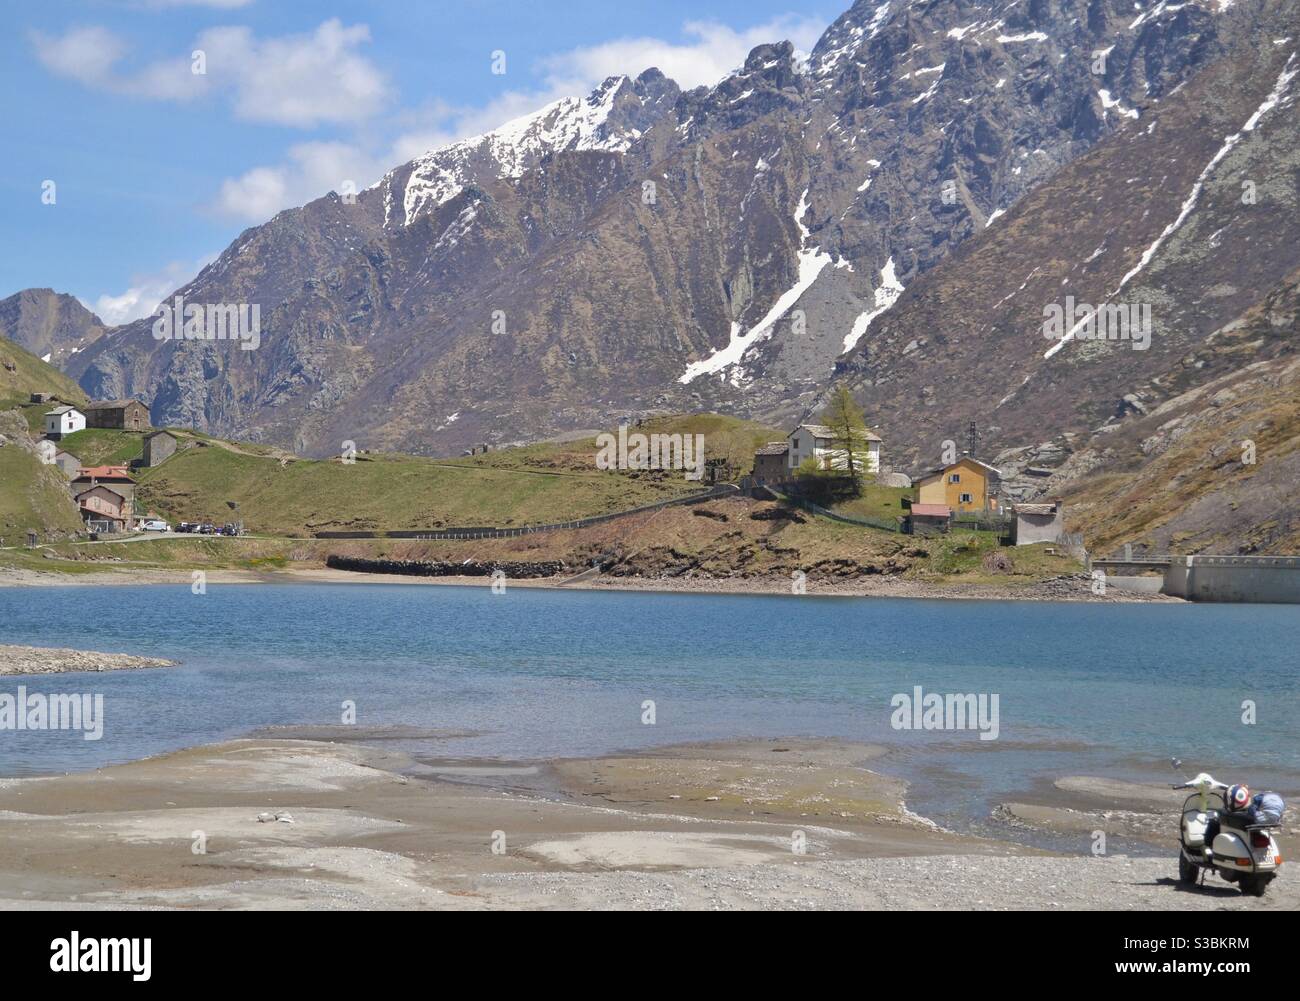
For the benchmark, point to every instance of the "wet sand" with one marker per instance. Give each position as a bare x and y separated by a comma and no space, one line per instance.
297,824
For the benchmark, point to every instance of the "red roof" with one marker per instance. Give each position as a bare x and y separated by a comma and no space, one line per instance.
103,473
931,510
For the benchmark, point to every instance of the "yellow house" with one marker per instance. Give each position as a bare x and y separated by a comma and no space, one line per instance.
966,485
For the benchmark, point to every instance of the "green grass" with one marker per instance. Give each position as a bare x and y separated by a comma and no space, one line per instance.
381,493
33,497
103,446
535,484
875,502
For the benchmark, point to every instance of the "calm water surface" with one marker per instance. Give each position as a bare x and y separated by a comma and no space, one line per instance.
538,674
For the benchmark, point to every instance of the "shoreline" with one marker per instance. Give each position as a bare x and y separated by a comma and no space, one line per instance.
1056,590
288,824
335,816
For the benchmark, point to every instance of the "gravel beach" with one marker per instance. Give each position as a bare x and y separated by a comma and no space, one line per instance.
308,824
30,660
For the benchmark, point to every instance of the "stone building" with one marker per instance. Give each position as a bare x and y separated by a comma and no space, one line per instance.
122,415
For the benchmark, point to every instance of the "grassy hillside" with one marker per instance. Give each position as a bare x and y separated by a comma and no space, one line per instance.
22,374
33,497
280,494
103,446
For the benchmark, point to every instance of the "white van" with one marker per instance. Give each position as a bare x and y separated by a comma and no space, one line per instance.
156,526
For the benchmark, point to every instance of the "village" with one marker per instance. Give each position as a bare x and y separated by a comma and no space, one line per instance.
106,494
963,493
812,467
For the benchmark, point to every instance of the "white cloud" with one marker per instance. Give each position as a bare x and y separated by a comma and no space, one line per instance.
86,55
145,292
715,51
313,169
297,80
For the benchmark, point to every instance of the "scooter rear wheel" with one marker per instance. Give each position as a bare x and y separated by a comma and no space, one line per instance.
1254,886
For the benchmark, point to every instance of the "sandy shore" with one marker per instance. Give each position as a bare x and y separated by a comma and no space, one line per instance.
295,824
1071,589
43,660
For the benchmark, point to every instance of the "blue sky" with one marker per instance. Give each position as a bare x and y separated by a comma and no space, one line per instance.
156,168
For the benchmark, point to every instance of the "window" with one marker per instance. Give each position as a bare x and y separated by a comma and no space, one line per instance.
966,498
955,478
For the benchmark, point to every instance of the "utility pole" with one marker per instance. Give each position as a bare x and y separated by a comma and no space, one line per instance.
972,439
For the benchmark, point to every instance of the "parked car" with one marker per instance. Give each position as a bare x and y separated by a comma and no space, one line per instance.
185,527
156,526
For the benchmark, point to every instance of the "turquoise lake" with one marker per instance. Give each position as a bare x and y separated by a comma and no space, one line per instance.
533,674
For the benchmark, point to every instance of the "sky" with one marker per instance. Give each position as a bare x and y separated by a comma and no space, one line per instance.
138,138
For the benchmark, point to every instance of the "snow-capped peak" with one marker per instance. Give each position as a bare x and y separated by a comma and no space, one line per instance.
571,123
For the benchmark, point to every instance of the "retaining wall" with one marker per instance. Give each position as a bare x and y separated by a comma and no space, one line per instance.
1267,579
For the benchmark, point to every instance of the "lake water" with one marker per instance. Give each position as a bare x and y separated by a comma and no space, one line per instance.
1082,688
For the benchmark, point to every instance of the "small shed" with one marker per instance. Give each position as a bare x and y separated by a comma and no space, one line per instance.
929,519
771,462
1043,522
158,448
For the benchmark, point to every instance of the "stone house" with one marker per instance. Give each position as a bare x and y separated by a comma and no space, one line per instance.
121,415
771,463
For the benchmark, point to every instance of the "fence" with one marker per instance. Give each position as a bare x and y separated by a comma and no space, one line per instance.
459,534
880,523
1004,527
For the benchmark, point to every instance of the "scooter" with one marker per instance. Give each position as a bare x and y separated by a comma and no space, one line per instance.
1242,853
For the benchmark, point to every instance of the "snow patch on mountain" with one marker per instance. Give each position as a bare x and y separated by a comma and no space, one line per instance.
887,294
1108,102
1270,102
811,263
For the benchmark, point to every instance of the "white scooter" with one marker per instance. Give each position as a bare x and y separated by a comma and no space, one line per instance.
1242,853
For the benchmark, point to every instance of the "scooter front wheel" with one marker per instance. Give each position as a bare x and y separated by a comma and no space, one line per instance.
1187,872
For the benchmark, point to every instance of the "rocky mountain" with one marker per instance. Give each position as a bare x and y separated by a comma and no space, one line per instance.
50,325
648,249
1187,215
1205,460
